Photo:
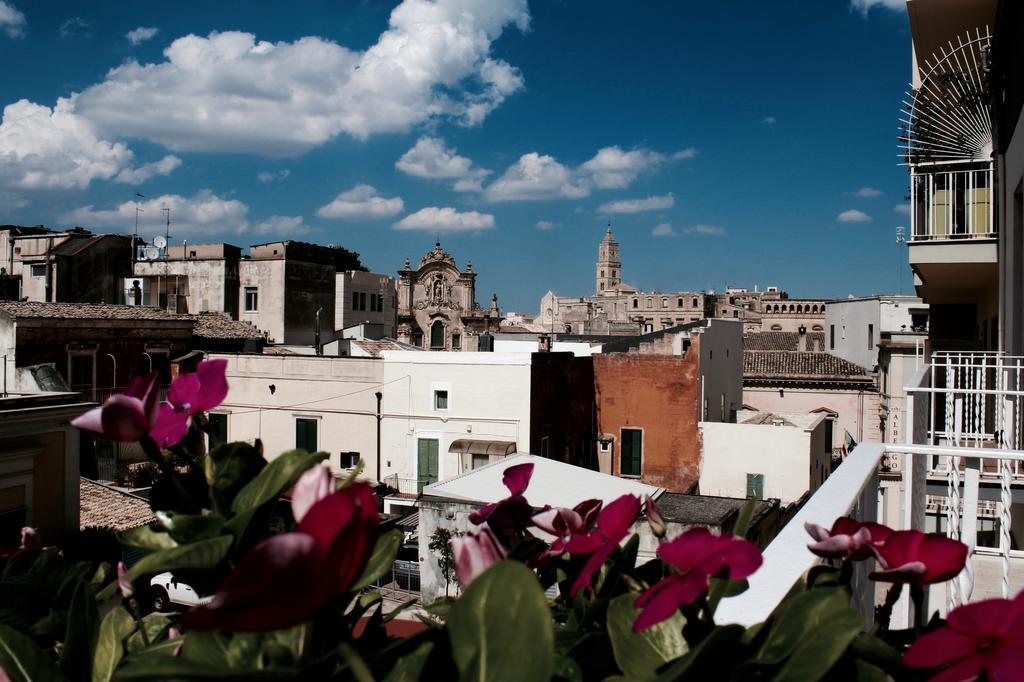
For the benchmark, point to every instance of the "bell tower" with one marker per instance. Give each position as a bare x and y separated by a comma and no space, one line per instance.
608,274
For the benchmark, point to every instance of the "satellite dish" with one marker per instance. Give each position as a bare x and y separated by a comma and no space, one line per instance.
159,242
152,253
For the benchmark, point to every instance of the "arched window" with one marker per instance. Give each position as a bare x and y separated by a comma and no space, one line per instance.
635,303
650,302
664,303
799,308
679,303
694,302
437,334
776,327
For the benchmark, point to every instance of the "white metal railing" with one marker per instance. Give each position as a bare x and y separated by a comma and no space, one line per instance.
963,416
952,204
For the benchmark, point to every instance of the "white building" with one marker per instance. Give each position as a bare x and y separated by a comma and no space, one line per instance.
855,327
765,455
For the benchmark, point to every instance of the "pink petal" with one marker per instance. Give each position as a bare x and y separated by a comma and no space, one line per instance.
967,669
616,519
184,392
588,511
483,513
879,533
741,558
944,557
517,478
268,590
900,548
939,647
817,533
30,537
214,383
837,547
146,389
474,553
980,617
910,572
658,602
557,522
124,584
584,544
344,524
313,486
170,427
123,419
692,548
592,566
91,421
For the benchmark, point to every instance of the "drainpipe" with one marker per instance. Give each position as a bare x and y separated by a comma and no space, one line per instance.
316,333
379,396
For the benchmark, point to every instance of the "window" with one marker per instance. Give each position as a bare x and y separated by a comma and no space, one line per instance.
348,460
437,334
735,313
545,443
871,336
664,303
480,461
80,376
39,271
426,462
755,486
456,341
251,299
694,303
679,303
362,301
650,303
602,273
828,435
631,452
305,434
218,428
831,337
440,400
355,300
635,303
417,338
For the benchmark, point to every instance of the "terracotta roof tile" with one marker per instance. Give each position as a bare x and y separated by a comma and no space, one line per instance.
212,325
104,507
799,365
83,311
782,341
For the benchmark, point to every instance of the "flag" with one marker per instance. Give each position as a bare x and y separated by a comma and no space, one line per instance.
848,443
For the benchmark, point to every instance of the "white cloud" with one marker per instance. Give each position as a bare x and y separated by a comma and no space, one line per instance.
654,203
43,148
868,193
75,26
230,92
137,176
902,208
12,22
769,120
533,177
202,214
612,168
141,34
430,158
282,225
268,176
688,153
445,220
663,230
362,201
853,216
706,230
547,225
864,6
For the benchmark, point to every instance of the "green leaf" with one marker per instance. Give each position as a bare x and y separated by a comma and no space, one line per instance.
384,554
567,669
117,625
229,468
80,636
795,619
277,477
155,625
185,528
201,554
639,655
23,660
409,667
816,653
162,668
148,538
722,588
712,658
746,515
501,627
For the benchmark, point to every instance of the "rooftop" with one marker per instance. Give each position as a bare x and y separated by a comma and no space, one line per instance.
376,347
706,510
553,483
213,325
782,340
764,364
104,507
83,311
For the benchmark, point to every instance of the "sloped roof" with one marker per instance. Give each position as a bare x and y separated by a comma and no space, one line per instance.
706,510
375,347
553,483
213,325
83,311
101,506
799,365
782,341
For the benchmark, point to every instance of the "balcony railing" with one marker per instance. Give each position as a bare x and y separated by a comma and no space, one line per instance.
952,205
405,486
960,472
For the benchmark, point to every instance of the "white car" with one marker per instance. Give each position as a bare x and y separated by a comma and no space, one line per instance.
167,589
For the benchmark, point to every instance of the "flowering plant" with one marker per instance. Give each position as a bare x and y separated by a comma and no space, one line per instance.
297,602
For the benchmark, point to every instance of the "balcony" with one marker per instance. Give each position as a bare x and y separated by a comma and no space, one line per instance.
953,243
962,474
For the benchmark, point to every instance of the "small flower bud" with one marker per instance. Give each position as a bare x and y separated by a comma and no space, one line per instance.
123,583
654,519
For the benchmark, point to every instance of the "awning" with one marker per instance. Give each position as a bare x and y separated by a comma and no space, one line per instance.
410,521
483,447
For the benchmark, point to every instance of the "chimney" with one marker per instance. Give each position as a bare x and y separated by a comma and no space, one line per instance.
804,343
544,344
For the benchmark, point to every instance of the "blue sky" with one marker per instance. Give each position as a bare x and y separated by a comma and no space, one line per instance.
735,142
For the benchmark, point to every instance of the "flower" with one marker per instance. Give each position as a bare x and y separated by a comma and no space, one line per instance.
613,523
980,637
314,485
189,395
910,556
287,578
125,417
654,518
698,556
474,553
124,584
510,517
848,540
564,523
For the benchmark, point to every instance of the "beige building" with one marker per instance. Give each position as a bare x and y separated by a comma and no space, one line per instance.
188,278
365,298
437,308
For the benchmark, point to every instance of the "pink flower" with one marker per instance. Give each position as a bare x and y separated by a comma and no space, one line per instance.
510,517
654,518
698,556
910,556
474,553
564,523
980,639
125,417
848,540
287,578
613,523
124,584
313,486
189,395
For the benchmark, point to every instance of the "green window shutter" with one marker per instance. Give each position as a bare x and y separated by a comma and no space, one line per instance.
218,428
631,451
305,434
427,466
755,486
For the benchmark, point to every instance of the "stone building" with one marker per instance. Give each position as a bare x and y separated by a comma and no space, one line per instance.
437,307
189,278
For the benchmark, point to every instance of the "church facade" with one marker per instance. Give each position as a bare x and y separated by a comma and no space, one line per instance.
437,308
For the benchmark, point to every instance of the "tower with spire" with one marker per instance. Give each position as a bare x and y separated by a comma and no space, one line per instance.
608,274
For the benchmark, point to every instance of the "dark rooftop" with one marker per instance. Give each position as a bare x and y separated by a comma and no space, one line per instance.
706,510
763,364
83,311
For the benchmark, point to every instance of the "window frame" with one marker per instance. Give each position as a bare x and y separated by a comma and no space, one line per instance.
638,459
309,419
255,293
755,481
